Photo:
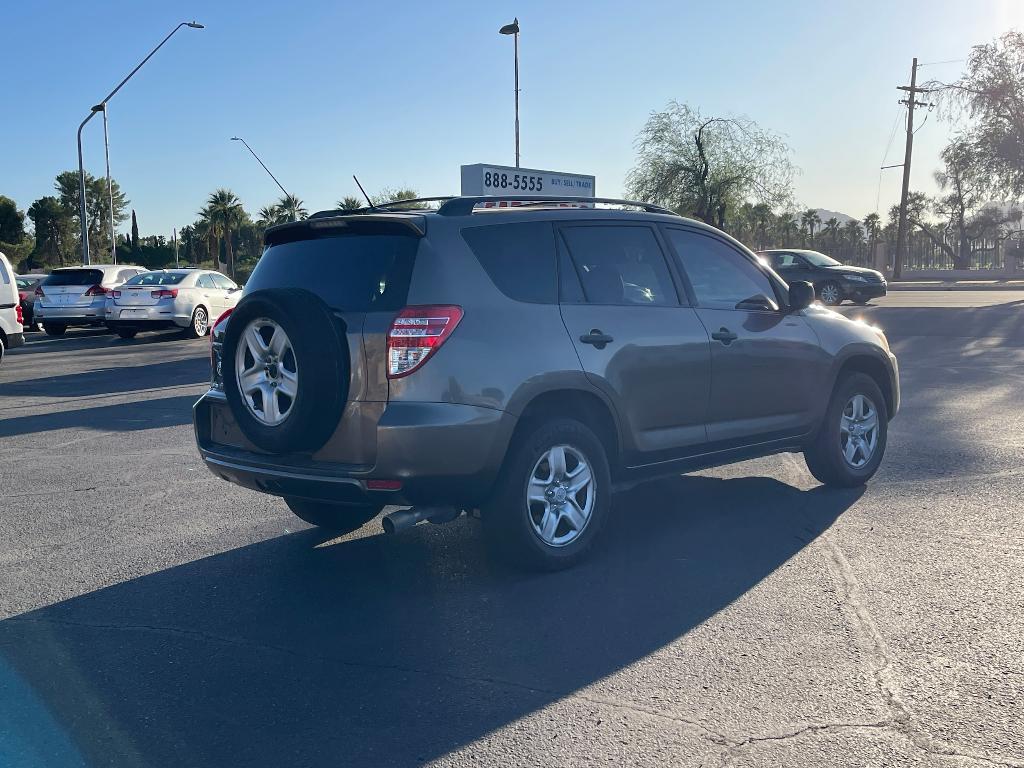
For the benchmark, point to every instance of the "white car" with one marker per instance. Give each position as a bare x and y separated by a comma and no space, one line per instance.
11,332
170,298
78,295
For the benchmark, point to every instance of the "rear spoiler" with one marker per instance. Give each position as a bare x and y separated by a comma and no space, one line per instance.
330,226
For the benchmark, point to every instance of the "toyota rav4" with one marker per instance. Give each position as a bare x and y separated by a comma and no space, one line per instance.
520,361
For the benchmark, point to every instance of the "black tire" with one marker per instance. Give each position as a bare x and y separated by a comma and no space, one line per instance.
824,455
199,313
320,350
509,520
3,349
337,518
126,333
831,293
52,329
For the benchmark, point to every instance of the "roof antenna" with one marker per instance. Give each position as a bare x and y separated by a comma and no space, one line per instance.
368,200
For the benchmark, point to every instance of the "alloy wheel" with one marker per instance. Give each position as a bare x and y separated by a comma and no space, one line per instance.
266,371
830,293
560,495
858,431
200,321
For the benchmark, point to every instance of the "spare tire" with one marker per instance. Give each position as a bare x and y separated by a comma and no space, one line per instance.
286,369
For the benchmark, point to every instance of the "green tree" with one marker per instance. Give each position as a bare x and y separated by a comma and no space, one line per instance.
12,221
389,195
991,95
831,228
707,166
97,205
55,240
222,214
292,208
810,219
269,215
349,203
135,231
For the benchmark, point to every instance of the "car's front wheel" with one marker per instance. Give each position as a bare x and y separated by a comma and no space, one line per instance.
850,443
336,518
552,497
831,294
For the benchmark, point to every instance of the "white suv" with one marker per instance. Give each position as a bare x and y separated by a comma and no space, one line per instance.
11,332
78,295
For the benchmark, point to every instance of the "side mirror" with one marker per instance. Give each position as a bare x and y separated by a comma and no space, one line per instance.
758,303
801,295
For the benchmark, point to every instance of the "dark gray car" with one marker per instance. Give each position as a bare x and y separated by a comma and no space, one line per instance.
521,363
833,281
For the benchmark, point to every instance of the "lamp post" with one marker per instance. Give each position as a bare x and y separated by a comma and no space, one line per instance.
513,29
101,107
239,138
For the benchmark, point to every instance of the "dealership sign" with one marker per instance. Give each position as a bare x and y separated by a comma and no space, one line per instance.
481,179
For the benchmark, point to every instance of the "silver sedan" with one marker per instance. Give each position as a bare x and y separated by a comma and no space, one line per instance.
170,298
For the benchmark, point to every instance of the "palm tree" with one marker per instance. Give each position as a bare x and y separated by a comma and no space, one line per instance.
291,208
873,227
349,203
269,216
762,213
810,219
832,228
224,211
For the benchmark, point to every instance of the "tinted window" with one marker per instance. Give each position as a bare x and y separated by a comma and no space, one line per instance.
620,265
520,258
4,277
354,272
74,277
157,278
784,260
721,276
569,289
221,282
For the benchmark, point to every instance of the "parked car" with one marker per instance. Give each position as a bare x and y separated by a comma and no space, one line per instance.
77,296
27,285
522,362
833,281
170,298
11,333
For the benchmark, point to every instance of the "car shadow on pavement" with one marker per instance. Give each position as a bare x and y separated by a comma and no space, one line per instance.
120,417
377,651
112,381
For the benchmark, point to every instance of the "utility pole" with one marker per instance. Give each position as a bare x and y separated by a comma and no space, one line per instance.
901,230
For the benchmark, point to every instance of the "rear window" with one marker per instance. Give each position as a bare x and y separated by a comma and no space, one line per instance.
157,278
358,273
74,277
519,258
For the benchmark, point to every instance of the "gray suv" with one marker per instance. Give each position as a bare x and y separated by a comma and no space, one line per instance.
522,362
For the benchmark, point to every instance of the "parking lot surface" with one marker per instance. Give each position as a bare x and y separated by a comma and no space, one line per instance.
153,615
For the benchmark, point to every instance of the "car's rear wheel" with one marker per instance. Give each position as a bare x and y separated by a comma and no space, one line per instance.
850,443
552,497
53,329
126,333
831,294
3,349
337,518
199,325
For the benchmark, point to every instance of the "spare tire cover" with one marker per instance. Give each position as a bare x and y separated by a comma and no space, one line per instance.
286,369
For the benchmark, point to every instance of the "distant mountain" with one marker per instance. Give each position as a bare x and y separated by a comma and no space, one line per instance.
825,214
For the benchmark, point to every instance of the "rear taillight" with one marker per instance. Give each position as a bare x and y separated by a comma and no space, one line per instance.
115,294
39,291
96,290
19,314
165,293
416,333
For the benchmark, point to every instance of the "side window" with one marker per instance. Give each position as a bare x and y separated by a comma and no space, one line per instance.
620,265
221,282
785,260
126,274
519,258
204,281
721,276
4,277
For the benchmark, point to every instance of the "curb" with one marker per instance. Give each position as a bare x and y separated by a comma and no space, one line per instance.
1014,286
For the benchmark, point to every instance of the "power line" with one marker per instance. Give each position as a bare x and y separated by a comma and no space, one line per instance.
947,61
888,146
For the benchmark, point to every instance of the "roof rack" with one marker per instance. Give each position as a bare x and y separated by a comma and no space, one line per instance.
463,206
380,207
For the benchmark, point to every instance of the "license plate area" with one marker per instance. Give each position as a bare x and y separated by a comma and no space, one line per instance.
224,429
133,313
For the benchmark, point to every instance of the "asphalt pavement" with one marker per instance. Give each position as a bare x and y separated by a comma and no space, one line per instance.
152,615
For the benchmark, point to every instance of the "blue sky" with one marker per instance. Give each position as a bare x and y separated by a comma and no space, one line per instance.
402,93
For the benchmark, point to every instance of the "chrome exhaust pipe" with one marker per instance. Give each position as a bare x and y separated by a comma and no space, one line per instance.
407,518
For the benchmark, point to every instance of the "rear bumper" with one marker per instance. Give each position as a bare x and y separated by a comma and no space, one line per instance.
141,325
441,453
153,317
15,340
87,315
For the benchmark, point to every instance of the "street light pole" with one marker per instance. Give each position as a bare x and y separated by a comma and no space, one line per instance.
513,29
110,188
239,138
102,107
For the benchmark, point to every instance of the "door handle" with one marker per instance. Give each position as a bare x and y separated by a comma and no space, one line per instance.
597,338
725,336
